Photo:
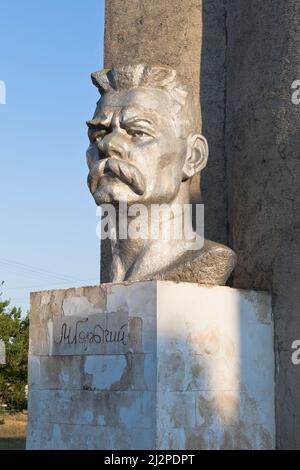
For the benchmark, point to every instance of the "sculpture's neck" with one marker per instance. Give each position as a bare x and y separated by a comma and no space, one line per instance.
163,240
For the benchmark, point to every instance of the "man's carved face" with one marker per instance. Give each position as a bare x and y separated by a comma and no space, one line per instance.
137,152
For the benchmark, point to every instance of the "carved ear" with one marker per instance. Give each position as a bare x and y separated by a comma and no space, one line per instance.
196,158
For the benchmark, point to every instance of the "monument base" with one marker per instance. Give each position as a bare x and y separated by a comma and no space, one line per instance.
151,365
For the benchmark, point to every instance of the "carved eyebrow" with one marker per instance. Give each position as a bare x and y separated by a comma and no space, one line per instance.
97,123
136,120
135,113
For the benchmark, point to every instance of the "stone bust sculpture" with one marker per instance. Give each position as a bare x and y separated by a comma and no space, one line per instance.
145,147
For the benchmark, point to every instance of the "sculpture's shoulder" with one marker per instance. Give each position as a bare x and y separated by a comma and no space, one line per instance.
212,264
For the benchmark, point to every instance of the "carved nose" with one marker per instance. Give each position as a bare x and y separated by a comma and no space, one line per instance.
111,146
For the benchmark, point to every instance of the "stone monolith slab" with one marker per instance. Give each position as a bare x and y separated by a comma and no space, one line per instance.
262,144
151,365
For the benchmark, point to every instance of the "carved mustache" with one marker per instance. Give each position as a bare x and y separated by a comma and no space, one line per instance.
125,171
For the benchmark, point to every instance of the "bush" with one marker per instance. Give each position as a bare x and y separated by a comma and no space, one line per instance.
14,331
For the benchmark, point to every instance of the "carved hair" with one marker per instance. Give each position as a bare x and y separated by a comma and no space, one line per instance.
148,76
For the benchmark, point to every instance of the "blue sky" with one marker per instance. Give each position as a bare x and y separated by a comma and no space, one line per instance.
48,219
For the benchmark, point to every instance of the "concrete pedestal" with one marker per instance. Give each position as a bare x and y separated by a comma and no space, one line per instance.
151,365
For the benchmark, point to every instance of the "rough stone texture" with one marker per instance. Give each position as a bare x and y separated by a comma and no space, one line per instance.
212,265
213,107
193,376
262,144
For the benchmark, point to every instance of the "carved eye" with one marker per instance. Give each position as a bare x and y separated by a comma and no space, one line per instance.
98,135
95,135
137,133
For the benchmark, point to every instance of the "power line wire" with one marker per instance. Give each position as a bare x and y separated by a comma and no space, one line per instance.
39,271
41,285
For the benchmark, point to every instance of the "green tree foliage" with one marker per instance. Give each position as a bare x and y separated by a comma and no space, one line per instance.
14,331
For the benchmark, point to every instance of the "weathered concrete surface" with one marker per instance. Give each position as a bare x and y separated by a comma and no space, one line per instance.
192,376
103,398
262,145
213,108
210,345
